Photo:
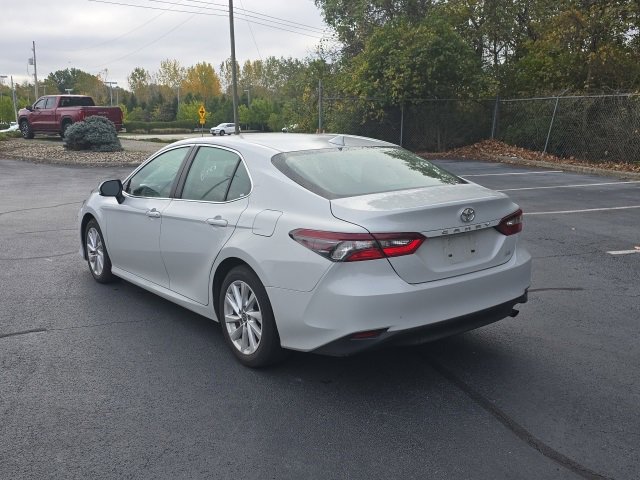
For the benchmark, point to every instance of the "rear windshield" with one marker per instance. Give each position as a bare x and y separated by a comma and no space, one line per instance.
348,172
76,102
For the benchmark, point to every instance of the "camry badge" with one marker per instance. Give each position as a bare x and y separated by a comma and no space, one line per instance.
467,215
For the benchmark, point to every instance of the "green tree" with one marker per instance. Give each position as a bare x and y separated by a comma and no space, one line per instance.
430,60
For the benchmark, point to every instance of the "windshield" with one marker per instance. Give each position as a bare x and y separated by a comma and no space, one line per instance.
347,172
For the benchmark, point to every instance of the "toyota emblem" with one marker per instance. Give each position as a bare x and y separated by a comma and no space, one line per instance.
467,215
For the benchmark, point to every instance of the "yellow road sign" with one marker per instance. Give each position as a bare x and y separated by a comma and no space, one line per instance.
202,112
201,120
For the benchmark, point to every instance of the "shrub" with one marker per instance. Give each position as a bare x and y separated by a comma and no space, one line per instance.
9,135
95,133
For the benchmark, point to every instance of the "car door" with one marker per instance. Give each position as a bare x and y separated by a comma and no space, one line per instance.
48,115
133,226
37,117
197,224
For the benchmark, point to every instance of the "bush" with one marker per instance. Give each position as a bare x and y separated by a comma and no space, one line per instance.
95,133
146,127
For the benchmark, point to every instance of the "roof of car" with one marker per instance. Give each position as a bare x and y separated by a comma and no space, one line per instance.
289,142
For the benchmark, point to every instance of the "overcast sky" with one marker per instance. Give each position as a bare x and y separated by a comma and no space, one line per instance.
96,36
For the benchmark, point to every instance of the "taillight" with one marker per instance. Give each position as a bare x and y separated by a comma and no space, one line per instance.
511,224
354,247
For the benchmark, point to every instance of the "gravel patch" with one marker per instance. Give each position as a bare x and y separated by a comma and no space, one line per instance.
51,150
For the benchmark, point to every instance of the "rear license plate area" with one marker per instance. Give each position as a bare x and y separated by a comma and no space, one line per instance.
460,248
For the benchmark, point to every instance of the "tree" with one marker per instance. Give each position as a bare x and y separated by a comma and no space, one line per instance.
430,60
202,81
139,82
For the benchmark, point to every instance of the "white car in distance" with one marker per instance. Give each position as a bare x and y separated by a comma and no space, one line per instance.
322,243
224,129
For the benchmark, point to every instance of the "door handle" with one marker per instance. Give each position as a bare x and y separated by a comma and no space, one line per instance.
217,221
153,213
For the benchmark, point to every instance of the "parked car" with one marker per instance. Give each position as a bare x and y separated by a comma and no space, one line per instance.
55,113
317,243
13,127
224,128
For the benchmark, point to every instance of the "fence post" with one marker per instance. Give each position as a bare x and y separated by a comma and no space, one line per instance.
401,122
495,117
553,117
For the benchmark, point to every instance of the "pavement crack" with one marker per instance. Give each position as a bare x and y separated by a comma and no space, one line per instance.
43,256
563,255
94,325
40,208
521,432
24,332
39,231
556,289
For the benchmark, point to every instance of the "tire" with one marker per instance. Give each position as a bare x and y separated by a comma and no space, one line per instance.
221,133
63,131
250,330
27,131
97,256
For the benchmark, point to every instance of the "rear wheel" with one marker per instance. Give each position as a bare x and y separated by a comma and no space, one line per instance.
63,130
97,256
247,320
27,131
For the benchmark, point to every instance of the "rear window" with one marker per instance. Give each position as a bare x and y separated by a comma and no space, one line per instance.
76,102
348,172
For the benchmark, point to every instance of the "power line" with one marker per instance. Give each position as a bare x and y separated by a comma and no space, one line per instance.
122,4
145,45
251,32
220,8
119,36
320,30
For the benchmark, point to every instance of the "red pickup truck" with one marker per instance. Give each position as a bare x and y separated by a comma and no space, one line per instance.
54,114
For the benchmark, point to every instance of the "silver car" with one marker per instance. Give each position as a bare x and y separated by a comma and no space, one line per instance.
323,243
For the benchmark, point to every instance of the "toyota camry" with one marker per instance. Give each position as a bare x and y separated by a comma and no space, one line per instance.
319,243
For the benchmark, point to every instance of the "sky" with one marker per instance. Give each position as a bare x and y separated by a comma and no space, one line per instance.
96,36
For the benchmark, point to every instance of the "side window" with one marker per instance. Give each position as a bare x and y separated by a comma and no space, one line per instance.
51,102
40,103
240,185
156,178
210,175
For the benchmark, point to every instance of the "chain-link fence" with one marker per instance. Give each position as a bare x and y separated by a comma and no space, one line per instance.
596,128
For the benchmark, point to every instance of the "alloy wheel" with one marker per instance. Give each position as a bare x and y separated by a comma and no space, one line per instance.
95,251
243,317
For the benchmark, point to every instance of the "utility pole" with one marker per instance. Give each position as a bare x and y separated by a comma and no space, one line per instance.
111,84
15,102
234,77
35,70
320,106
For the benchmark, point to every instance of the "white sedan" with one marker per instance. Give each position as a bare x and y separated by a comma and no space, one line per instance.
224,129
323,243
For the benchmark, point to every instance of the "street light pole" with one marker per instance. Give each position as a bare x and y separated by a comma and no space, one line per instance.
111,84
234,77
15,102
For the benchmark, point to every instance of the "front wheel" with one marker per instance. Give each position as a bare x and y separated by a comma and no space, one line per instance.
97,256
27,131
221,133
247,320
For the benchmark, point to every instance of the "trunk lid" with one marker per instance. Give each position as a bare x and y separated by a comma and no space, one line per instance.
453,246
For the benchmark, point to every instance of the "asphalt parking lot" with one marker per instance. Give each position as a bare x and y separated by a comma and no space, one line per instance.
113,382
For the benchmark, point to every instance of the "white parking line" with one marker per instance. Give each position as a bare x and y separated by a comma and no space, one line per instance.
569,186
583,211
623,252
514,173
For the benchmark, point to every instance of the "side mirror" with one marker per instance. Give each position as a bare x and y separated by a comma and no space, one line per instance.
112,188
29,107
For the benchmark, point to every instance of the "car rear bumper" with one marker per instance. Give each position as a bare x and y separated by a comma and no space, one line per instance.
368,296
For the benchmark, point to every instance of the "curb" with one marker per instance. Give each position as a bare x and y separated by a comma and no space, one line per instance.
567,167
